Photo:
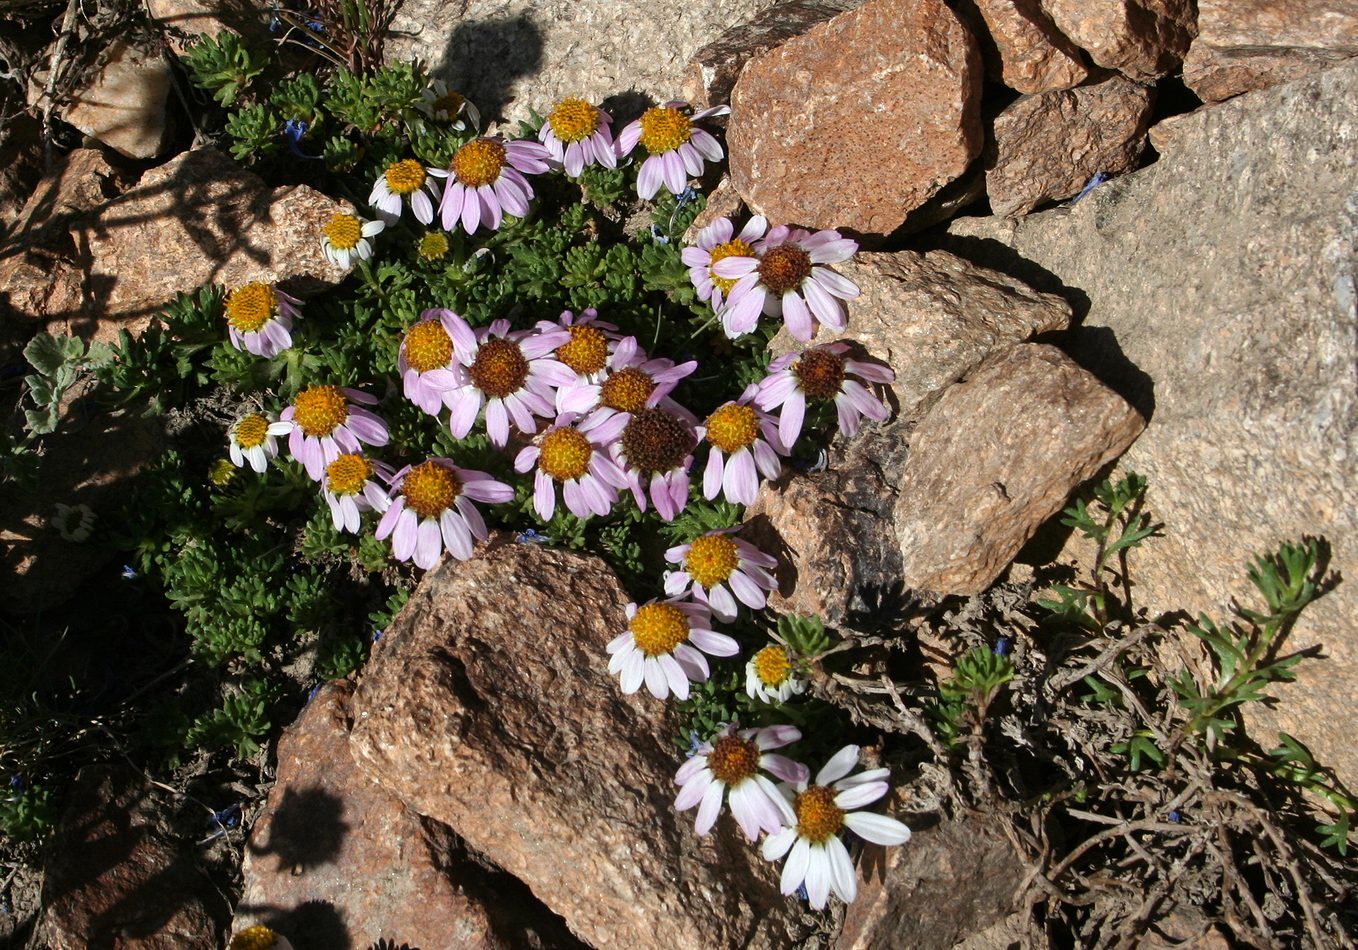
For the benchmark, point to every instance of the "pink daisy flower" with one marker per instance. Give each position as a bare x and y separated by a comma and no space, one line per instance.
731,765
664,646
591,346
429,371
655,451
815,854
406,181
325,422
577,134
349,489
259,319
629,383
431,511
575,457
677,148
717,242
822,373
714,567
511,374
789,278
742,442
486,179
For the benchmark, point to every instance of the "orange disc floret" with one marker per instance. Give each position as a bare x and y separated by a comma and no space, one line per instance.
430,489
343,231
406,176
347,474
733,759
658,628
479,162
733,427
664,129
627,390
587,350
818,817
733,248
319,410
428,346
712,559
252,430
573,120
772,665
565,454
250,307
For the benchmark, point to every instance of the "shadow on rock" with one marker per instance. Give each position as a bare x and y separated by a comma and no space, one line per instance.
513,45
307,830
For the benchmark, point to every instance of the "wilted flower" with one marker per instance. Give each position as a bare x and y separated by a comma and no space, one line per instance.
447,105
731,765
816,856
677,148
789,278
253,438
325,422
431,510
259,319
577,134
716,565
486,179
822,373
664,646
406,181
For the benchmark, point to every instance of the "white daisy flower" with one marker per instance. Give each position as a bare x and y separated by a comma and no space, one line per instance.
771,676
406,181
349,489
822,373
253,438
259,937
717,242
577,134
734,762
327,421
447,105
73,522
259,319
743,444
513,375
714,567
664,646
816,856
676,148
431,511
344,239
575,456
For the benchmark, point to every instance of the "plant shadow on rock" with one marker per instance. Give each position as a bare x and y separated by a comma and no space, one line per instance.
307,830
513,45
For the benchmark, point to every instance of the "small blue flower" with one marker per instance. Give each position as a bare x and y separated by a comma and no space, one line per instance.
1002,646
228,817
293,130
129,572
314,690
1175,817
1095,181
693,743
377,634
17,782
530,536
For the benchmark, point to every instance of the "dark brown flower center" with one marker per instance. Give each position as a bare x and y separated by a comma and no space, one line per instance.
656,441
821,373
499,369
784,267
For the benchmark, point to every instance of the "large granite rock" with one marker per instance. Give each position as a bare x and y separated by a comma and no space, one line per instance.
488,706
510,56
331,836
115,877
123,106
1021,46
1143,39
996,456
1219,284
1244,45
859,121
1047,146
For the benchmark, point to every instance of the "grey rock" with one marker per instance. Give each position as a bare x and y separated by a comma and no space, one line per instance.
1219,284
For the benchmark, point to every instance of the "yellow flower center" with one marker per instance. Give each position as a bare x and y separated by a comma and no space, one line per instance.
433,245
344,231
712,559
405,176
430,489
479,162
658,628
732,248
784,267
499,369
818,817
656,441
820,372
664,130
346,475
450,102
587,351
251,430
733,427
428,346
627,390
250,307
565,454
573,120
257,937
772,665
319,409
733,759
221,472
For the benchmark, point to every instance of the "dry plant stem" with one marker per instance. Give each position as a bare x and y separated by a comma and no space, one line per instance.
1130,828
53,67
1108,655
1289,860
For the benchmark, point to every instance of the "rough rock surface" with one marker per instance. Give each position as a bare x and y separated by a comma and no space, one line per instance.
488,706
202,219
1143,39
1219,284
331,837
21,162
950,881
859,121
185,20
933,318
115,879
510,56
1021,46
124,106
1244,45
995,457
714,69
1048,146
